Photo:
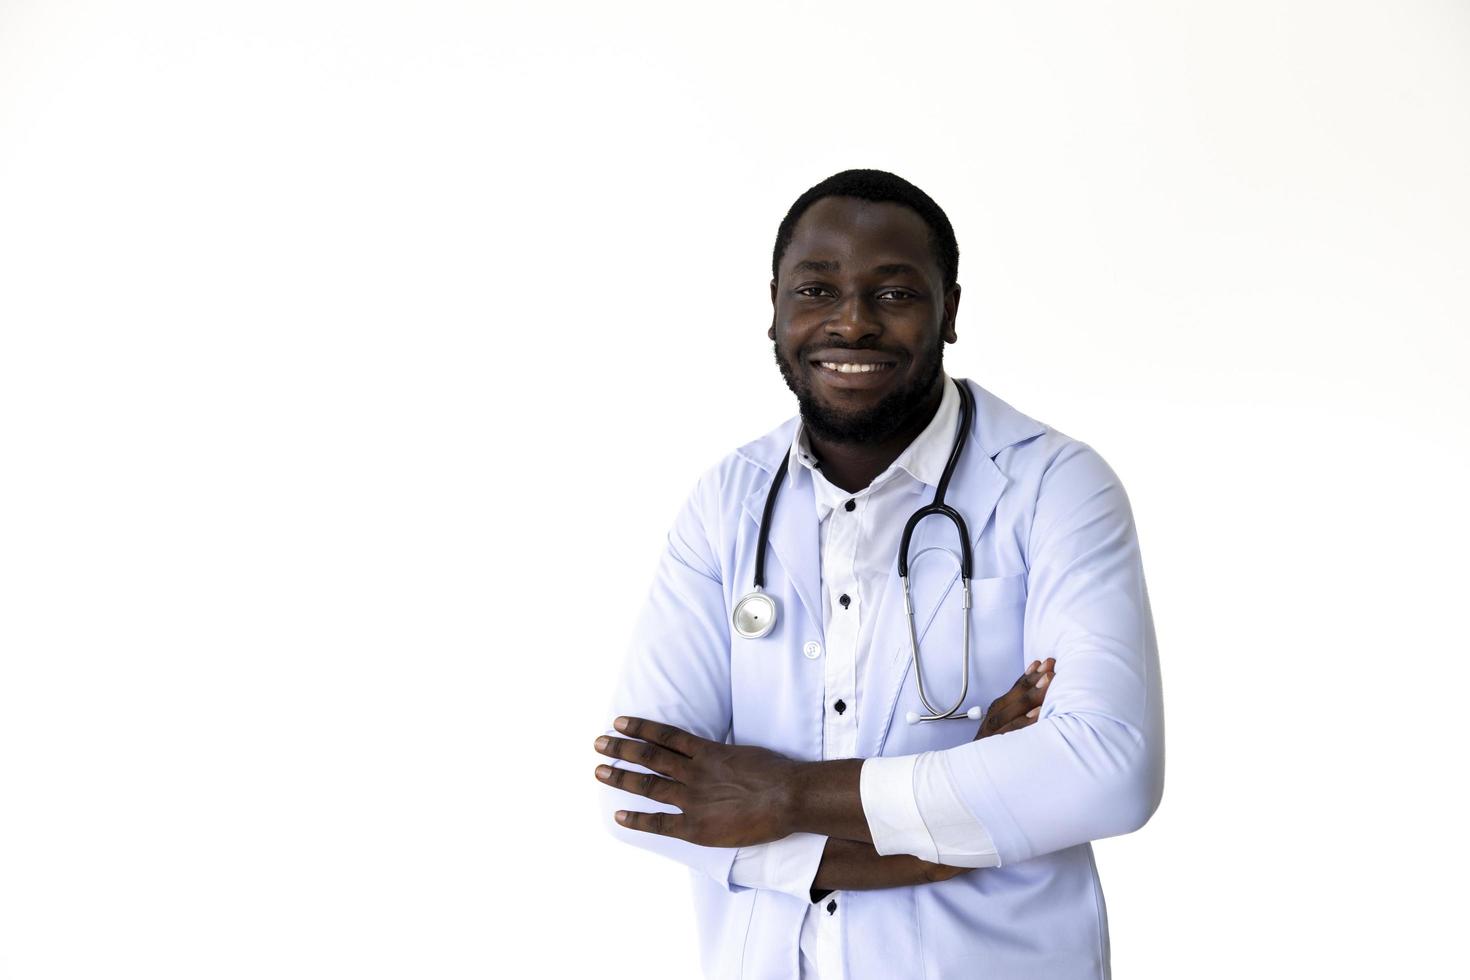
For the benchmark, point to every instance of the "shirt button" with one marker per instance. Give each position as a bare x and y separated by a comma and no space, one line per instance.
851,505
839,706
845,599
812,650
832,907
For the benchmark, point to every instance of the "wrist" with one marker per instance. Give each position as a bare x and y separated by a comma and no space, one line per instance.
824,798
796,811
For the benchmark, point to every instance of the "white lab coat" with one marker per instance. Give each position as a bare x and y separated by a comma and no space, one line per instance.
1057,573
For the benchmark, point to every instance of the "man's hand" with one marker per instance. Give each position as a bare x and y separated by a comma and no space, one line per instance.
1021,705
731,795
741,795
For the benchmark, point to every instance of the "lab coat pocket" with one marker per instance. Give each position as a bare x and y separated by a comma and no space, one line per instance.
996,617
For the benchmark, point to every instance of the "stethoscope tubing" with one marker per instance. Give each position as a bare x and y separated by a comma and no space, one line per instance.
755,614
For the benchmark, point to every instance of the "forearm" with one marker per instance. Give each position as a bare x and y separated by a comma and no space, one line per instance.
826,798
848,865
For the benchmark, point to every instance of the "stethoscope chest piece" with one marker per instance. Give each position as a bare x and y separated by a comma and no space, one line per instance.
755,615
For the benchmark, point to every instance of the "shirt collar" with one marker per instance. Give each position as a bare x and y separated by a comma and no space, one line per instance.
923,459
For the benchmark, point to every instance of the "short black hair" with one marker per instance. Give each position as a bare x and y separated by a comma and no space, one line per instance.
876,186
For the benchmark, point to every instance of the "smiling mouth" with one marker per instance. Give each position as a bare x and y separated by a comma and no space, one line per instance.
853,368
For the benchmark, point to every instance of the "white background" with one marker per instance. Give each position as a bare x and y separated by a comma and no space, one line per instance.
356,358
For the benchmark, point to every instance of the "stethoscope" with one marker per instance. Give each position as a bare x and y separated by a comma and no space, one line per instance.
755,613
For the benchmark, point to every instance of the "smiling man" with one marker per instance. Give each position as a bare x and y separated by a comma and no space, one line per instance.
799,720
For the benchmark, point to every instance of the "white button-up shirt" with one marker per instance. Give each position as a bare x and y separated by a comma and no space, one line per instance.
910,802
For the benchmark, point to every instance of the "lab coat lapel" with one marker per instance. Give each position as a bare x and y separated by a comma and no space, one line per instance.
794,546
974,491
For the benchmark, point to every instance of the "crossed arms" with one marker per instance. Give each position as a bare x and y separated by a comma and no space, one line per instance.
1090,766
740,795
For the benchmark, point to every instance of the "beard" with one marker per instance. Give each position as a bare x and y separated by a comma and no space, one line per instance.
868,425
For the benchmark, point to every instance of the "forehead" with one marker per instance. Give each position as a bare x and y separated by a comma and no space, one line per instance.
859,234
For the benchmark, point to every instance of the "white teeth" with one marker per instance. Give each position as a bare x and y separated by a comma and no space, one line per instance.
846,368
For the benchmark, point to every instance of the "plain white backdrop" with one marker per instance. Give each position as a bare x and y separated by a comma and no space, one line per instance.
356,357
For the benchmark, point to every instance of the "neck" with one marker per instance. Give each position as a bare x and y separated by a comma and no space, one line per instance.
851,466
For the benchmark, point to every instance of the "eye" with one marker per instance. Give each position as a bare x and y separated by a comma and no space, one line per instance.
897,294
813,291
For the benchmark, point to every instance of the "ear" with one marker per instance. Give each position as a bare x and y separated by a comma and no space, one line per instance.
951,313
771,331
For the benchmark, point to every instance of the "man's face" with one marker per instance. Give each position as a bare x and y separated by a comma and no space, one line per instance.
861,317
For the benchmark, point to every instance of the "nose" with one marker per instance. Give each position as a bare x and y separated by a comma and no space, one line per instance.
853,320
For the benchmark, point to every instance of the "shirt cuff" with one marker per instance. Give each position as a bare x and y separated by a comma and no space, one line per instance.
788,865
886,786
961,840
912,808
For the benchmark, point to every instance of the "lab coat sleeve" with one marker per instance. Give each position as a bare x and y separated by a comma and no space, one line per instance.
1093,764
677,670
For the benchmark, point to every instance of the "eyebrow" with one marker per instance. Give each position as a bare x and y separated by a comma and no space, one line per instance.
831,265
816,265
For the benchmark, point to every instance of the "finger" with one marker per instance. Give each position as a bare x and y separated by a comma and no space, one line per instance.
996,718
1002,712
1033,676
1029,718
1025,689
1015,702
647,784
645,754
1027,692
656,731
1036,693
663,824
1023,684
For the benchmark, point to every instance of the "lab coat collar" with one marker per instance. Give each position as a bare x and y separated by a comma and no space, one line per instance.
923,459
974,490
